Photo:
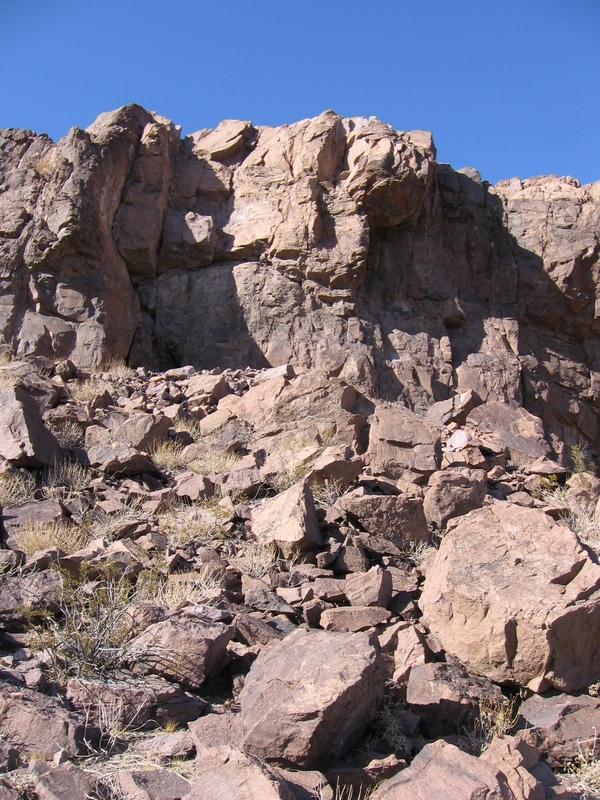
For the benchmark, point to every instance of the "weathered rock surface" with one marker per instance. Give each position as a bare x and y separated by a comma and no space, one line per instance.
310,696
515,597
373,263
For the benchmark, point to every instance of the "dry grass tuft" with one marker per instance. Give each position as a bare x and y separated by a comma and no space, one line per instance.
85,391
327,493
59,535
202,587
213,460
168,455
200,523
66,479
16,489
8,380
117,369
257,560
584,772
494,718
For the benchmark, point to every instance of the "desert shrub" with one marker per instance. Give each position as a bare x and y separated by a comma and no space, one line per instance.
327,493
494,718
69,434
16,488
91,636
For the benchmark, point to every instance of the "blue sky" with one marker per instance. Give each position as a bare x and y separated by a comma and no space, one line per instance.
511,87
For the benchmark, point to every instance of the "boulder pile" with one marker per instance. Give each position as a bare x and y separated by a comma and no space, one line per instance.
298,495
265,583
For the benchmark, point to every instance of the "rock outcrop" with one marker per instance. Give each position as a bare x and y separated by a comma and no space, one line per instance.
333,243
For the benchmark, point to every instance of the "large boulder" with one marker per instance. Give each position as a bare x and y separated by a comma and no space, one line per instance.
516,597
310,697
442,770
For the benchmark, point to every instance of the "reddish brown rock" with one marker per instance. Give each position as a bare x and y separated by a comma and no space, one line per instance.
289,520
453,493
371,588
39,725
560,725
515,597
399,518
402,444
447,697
183,650
356,618
310,696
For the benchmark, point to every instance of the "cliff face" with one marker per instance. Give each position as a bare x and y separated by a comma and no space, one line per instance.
335,244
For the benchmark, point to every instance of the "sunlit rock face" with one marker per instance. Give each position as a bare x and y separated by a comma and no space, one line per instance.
332,243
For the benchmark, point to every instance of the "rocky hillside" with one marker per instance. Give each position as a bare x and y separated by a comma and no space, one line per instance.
333,244
297,488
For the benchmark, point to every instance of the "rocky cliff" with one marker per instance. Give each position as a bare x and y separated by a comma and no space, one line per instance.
335,244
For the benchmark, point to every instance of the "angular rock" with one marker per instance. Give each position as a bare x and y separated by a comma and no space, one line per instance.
20,597
39,725
356,618
133,703
442,770
153,784
560,725
183,650
399,518
447,697
402,444
25,441
224,773
514,428
514,596
453,493
289,520
371,588
310,697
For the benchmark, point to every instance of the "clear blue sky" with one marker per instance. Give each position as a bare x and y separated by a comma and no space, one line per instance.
511,87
